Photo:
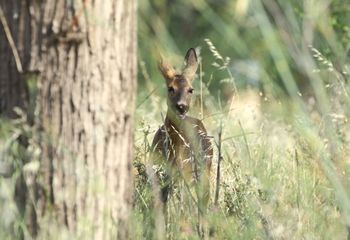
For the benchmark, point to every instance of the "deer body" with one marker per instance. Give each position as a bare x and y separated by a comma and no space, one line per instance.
182,142
176,142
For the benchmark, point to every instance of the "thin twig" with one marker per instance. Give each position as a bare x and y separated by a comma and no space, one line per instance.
11,42
147,97
201,82
218,168
218,113
238,135
245,141
298,177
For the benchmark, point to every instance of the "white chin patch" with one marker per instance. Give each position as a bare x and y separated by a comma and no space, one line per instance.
182,116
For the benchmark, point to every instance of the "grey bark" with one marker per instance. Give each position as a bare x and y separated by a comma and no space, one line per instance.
86,54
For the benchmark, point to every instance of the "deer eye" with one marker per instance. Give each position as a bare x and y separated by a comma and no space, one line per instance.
171,90
190,90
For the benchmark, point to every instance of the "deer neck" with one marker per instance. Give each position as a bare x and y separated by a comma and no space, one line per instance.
172,120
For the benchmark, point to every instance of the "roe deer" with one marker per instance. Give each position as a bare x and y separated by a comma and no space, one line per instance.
182,142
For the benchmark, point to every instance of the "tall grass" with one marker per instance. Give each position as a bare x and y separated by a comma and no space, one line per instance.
284,145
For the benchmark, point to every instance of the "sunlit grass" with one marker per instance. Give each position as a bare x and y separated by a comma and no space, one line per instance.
273,180
285,161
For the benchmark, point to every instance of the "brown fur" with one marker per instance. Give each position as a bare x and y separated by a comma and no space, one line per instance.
182,142
176,141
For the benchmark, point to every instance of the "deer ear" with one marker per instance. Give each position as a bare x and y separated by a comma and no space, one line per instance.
167,70
191,64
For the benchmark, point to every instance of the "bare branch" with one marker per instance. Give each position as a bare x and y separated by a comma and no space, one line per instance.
11,42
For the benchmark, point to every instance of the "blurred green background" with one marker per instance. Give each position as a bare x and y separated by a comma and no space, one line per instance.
265,40
274,79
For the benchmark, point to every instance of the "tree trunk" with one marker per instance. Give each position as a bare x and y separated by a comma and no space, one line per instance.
87,95
85,53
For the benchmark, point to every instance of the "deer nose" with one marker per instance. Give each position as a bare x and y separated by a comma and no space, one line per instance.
181,107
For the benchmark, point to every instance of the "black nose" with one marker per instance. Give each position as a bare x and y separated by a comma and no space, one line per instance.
181,107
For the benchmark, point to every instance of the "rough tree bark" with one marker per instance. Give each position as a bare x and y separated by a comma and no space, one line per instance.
86,55
87,96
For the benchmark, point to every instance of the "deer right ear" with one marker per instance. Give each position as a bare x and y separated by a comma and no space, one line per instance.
167,71
191,64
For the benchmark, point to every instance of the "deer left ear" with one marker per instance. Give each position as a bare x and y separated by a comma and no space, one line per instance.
191,64
167,70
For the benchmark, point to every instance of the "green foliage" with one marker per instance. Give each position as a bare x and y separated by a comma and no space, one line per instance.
275,75
19,165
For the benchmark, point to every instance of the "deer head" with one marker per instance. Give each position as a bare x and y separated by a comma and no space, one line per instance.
180,84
